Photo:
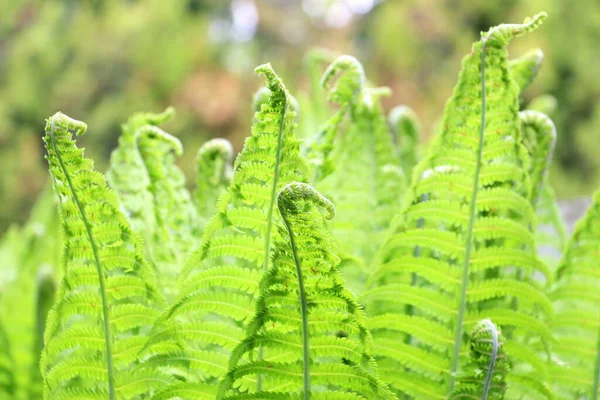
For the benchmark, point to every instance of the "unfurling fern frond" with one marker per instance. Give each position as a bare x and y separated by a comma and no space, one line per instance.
367,183
539,137
213,175
153,194
107,300
310,328
217,292
406,129
485,374
525,68
463,237
576,299
347,87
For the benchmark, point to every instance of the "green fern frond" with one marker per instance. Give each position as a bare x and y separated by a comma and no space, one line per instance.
406,129
28,253
368,181
467,226
487,365
349,79
539,137
153,194
525,68
107,300
302,357
213,175
218,285
576,298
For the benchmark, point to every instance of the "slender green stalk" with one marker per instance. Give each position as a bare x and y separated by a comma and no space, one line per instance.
303,310
469,238
99,269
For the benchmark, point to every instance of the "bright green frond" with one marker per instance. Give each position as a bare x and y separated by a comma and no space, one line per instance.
108,292
539,137
213,175
466,230
576,298
407,132
525,68
152,190
220,280
368,182
311,359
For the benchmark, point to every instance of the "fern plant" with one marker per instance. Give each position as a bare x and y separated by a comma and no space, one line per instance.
107,300
467,228
250,265
365,151
312,330
153,193
577,322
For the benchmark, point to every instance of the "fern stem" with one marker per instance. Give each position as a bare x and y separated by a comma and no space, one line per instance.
493,358
99,269
469,237
270,213
303,309
596,385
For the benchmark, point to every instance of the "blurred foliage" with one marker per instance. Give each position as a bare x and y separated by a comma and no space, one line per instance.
102,60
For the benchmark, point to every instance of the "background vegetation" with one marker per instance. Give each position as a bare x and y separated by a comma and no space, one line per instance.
102,60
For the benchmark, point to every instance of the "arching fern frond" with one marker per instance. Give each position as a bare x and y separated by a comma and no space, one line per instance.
485,374
349,80
467,226
153,194
539,137
310,327
525,68
217,292
213,175
576,298
367,182
107,300
406,129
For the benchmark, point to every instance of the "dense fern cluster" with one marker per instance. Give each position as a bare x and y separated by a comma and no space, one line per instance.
351,265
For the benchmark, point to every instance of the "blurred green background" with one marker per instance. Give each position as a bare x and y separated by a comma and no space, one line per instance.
99,61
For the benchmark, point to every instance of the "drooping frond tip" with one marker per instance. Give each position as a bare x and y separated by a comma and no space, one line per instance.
504,33
274,82
218,146
351,79
68,124
154,132
525,68
293,192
